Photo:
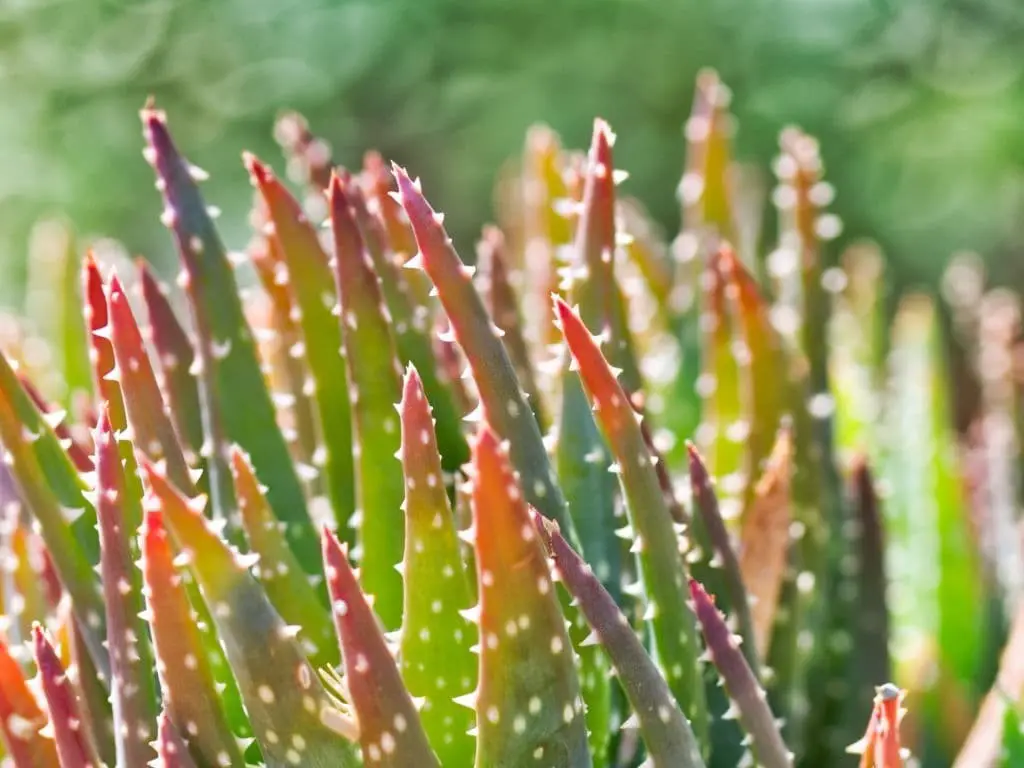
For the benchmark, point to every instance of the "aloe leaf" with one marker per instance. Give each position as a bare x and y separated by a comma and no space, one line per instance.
92,695
189,689
655,541
761,359
58,420
390,732
101,350
175,356
287,704
74,747
528,703
53,301
305,270
436,659
231,382
871,630
503,304
746,693
725,553
502,399
56,472
152,429
937,590
285,355
880,746
666,731
282,577
65,547
21,718
765,542
133,687
706,187
24,593
380,183
725,427
375,388
410,323
170,748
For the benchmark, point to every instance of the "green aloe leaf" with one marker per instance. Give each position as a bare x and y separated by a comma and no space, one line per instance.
502,399
74,747
232,387
58,421
305,271
655,540
133,686
289,708
190,691
390,731
436,659
284,580
706,190
375,389
67,549
529,704
666,731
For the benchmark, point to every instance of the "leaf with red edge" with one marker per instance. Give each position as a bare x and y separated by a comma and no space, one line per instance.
375,389
231,381
390,732
529,704
189,688
880,747
655,539
133,688
74,747
169,746
282,577
290,711
152,430
666,732
748,696
437,662
175,356
101,350
21,718
305,271
504,404
78,453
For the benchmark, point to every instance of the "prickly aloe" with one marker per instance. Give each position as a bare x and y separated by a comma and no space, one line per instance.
250,540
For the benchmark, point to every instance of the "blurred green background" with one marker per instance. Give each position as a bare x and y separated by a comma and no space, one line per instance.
918,104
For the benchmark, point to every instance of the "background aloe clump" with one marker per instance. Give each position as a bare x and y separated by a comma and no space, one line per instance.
590,498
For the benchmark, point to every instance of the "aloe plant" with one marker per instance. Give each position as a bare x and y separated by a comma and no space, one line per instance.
263,536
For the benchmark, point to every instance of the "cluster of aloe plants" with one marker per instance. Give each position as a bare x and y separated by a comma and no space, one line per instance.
342,498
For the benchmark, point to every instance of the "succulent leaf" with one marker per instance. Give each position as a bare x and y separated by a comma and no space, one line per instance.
289,709
375,389
436,659
305,270
661,566
667,734
502,399
528,704
74,747
170,748
133,687
283,579
390,732
231,382
741,684
189,689
175,356
21,718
